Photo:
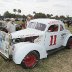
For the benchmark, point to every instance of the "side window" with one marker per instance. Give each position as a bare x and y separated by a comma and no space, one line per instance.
53,28
61,28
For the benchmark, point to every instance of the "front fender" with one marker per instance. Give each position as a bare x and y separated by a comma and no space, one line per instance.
22,49
66,39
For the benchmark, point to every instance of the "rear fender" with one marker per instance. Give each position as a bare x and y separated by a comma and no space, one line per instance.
21,50
66,39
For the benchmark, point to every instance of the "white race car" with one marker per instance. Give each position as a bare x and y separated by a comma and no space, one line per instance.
39,39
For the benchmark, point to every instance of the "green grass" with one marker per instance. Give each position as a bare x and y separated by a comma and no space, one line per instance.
19,22
60,61
70,28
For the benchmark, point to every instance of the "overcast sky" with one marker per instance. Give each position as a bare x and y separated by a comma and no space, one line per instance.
55,7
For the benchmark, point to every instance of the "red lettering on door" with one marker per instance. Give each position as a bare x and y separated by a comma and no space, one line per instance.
53,40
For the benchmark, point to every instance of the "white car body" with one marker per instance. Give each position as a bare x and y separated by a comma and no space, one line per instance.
43,40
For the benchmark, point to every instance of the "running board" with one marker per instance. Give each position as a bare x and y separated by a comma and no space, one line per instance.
54,50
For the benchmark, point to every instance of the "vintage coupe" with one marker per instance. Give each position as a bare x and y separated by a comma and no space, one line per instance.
37,41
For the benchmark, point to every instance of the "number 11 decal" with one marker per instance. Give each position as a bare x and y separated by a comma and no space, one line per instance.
53,40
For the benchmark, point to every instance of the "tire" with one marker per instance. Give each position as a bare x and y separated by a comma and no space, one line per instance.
69,43
30,60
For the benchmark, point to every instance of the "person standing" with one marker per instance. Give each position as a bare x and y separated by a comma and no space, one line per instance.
25,24
68,23
11,26
27,21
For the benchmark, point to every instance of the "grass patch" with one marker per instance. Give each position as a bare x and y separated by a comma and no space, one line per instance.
69,28
19,22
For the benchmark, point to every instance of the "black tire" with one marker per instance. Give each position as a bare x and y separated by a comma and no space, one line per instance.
31,60
69,43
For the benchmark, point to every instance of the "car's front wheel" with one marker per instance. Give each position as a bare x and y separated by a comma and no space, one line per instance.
30,60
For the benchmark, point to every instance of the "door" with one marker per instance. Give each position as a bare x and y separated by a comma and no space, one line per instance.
62,33
4,44
52,39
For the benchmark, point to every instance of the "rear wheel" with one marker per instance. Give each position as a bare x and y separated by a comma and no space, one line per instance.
69,44
30,60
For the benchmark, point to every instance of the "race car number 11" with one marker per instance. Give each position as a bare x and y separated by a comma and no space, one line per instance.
53,40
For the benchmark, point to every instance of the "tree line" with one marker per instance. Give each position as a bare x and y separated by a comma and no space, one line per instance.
16,14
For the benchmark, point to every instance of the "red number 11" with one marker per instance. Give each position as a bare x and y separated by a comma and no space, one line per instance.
53,40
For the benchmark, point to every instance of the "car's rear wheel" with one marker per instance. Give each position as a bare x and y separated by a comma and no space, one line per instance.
30,60
69,43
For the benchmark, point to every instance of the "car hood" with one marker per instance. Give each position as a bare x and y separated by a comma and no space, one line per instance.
26,33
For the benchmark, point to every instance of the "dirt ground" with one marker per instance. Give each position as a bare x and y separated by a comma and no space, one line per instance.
60,61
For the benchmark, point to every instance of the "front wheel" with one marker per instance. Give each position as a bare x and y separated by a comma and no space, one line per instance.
30,60
69,43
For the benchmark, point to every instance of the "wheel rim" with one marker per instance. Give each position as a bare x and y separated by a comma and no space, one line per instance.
70,43
30,60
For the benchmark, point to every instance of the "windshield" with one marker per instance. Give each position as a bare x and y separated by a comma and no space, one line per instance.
38,26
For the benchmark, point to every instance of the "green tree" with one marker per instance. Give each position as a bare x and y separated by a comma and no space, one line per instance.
19,11
49,15
14,10
62,17
56,17
7,14
34,12
24,17
39,15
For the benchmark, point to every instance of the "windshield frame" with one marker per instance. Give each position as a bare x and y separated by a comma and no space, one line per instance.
37,26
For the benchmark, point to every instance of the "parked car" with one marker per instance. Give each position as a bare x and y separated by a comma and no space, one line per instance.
41,38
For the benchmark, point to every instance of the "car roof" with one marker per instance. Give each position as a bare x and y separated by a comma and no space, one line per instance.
47,21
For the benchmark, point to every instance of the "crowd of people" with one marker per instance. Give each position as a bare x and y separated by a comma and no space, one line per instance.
11,25
68,22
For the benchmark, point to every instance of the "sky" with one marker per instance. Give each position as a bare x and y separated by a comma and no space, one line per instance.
55,7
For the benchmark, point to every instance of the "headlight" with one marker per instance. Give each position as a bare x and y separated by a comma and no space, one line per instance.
27,39
13,41
16,40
